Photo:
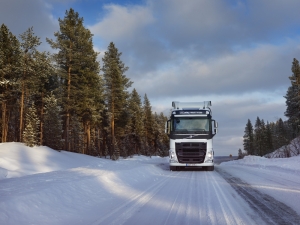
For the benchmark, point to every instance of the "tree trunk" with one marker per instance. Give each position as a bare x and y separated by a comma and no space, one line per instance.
98,141
67,146
88,138
4,130
67,128
113,134
21,111
112,129
42,119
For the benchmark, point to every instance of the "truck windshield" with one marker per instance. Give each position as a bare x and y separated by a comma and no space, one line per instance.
191,124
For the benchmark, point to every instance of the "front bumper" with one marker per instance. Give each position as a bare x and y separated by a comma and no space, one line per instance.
173,163
207,161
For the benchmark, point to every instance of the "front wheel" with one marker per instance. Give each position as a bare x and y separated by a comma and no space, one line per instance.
210,168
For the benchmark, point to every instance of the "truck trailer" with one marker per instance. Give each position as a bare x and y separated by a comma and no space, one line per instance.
191,130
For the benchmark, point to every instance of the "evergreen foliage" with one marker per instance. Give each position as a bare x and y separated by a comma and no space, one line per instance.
249,138
266,137
79,71
274,135
52,123
241,154
134,127
148,122
30,134
10,54
67,103
116,95
293,98
36,69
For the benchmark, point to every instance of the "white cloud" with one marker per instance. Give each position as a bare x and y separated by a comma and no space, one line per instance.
122,22
19,15
262,69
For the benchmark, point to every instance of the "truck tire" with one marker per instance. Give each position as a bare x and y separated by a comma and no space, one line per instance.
210,168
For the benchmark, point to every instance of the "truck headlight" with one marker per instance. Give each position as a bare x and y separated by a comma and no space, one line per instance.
172,155
209,155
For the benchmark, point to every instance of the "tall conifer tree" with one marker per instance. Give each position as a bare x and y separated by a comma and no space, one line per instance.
293,98
29,75
116,95
79,70
258,137
249,138
148,126
52,123
134,128
9,75
30,133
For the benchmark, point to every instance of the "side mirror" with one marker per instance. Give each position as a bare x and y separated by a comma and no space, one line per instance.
167,127
215,126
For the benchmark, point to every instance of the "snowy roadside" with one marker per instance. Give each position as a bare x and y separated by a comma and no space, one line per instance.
277,177
42,186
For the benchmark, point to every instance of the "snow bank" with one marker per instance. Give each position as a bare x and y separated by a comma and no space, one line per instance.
17,160
292,149
292,163
51,187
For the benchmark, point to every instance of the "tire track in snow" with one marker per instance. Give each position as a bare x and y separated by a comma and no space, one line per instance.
230,214
210,214
192,204
200,193
280,179
128,208
269,209
173,206
179,205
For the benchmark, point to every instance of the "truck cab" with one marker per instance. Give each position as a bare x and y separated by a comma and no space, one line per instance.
191,130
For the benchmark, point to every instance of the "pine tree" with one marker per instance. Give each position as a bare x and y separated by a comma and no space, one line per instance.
9,75
293,98
160,138
28,46
76,135
163,137
79,70
249,139
31,131
269,138
240,154
258,137
134,127
281,133
264,141
116,95
148,126
52,123
156,135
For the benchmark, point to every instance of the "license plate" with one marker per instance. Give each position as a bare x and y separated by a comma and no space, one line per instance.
190,164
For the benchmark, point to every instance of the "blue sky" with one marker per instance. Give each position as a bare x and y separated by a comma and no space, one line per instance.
235,53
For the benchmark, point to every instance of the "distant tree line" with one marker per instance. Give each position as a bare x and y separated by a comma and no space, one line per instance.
264,138
66,100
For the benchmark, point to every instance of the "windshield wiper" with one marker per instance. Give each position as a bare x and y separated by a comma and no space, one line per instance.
202,131
181,131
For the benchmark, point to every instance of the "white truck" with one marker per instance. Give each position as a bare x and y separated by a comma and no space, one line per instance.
191,130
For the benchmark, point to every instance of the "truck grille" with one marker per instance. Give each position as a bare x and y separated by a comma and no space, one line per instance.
190,152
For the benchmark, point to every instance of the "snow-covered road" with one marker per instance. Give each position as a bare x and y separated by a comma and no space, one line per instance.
183,197
141,190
